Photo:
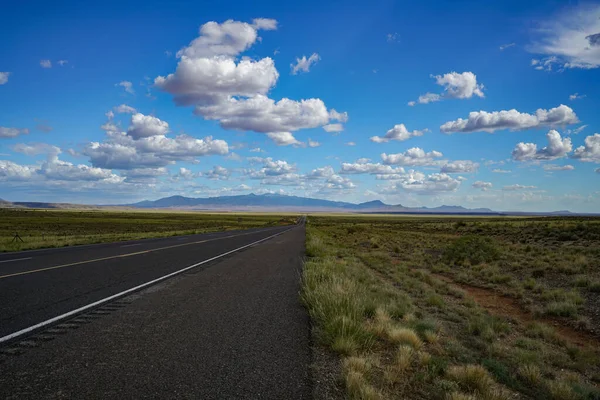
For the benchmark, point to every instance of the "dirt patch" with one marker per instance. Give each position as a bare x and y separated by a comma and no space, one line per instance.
501,305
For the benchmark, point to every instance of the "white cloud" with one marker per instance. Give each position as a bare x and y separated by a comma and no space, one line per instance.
270,167
256,150
419,183
456,86
283,138
511,119
460,166
333,128
34,149
413,157
128,86
10,171
233,92
46,63
393,37
590,152
338,116
553,167
229,38
557,148
12,132
262,114
412,103
217,173
501,171
146,125
151,149
323,172
399,133
460,86
506,46
4,77
210,81
571,39
313,143
370,168
62,63
516,187
484,186
125,109
576,96
303,64
576,130
350,144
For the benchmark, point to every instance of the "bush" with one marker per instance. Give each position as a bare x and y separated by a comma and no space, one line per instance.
472,249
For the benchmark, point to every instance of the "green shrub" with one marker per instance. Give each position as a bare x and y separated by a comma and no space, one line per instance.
472,249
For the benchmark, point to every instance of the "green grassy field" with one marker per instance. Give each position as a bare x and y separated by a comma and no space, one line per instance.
58,228
450,308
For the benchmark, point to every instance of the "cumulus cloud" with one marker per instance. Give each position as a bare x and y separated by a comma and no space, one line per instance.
10,171
350,143
128,86
571,39
370,168
312,143
338,116
456,86
399,133
234,92
217,173
303,64
512,119
419,183
146,126
62,63
484,186
553,167
283,138
333,128
4,77
557,148
393,37
12,132
413,157
590,152
576,96
46,63
125,109
145,145
270,167
460,166
512,188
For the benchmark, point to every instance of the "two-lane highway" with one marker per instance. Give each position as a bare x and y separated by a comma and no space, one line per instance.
38,285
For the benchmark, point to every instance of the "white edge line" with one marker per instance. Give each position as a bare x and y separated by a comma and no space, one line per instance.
16,259
133,289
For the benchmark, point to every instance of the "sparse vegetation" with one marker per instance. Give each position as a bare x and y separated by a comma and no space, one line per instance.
435,308
59,228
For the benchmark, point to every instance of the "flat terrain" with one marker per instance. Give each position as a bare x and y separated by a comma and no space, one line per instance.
458,308
233,328
59,228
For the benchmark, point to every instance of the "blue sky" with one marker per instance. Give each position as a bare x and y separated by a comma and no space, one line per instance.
480,104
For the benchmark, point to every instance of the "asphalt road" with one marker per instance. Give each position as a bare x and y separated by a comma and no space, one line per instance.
41,284
233,328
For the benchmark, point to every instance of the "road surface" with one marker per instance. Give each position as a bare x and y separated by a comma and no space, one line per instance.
229,328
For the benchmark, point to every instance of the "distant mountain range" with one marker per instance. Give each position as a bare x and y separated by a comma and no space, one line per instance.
294,203
279,202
